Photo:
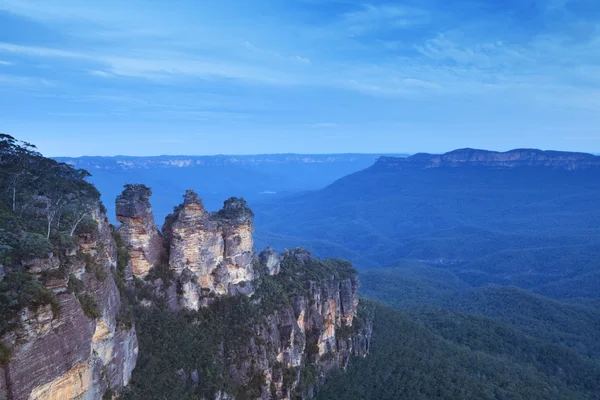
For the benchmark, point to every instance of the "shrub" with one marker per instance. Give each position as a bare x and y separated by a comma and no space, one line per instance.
98,270
34,245
75,285
18,290
89,306
5,353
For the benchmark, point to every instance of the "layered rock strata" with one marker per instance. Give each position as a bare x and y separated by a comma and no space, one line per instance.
210,255
305,309
59,352
138,230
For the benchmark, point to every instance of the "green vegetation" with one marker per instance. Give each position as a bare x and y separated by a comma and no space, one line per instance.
576,326
535,228
211,339
442,357
411,284
43,204
89,306
5,354
204,341
125,318
19,290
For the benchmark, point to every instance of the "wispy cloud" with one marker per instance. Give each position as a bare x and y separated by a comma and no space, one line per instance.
40,51
101,74
303,60
317,61
168,66
372,17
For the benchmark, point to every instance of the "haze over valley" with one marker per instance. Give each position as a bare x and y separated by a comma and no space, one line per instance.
299,200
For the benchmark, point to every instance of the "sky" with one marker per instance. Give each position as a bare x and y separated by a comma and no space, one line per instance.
149,77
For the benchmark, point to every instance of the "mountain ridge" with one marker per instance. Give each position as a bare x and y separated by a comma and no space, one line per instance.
509,159
132,162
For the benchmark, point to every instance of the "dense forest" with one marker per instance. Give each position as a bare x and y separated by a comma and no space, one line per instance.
442,326
529,226
189,354
44,205
436,354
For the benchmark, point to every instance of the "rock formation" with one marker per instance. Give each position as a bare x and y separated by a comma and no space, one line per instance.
305,310
270,261
510,159
317,332
138,229
297,337
59,352
210,255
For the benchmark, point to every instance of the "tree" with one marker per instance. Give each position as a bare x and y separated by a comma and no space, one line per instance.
16,159
65,192
77,209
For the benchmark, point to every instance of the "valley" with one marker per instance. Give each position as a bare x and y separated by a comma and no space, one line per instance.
474,275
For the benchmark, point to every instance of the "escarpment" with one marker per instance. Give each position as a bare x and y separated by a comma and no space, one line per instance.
518,158
69,343
266,326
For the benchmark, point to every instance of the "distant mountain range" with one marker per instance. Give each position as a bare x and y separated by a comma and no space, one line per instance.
130,162
526,217
216,178
518,158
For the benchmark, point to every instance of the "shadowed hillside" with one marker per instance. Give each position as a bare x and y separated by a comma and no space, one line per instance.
526,218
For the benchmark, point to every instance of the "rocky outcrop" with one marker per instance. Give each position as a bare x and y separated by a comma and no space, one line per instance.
297,346
61,351
510,159
298,337
270,261
298,321
138,229
210,255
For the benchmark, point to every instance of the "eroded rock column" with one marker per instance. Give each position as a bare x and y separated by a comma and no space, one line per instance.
138,229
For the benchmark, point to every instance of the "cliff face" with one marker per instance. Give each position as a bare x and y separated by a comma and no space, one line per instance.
510,159
307,339
210,255
138,229
280,322
74,348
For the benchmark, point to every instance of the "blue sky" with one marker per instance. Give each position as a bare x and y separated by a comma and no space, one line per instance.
153,77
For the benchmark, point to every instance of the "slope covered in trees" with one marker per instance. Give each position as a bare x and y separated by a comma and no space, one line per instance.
43,203
433,354
531,224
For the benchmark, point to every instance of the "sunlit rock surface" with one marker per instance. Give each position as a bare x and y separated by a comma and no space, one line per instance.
59,352
210,255
138,228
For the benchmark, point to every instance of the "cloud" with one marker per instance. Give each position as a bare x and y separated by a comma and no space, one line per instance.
6,63
163,66
26,82
101,74
303,60
40,51
275,55
371,18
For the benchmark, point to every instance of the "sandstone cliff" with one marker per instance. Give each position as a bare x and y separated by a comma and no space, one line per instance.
312,330
273,325
138,229
209,255
73,348
510,159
